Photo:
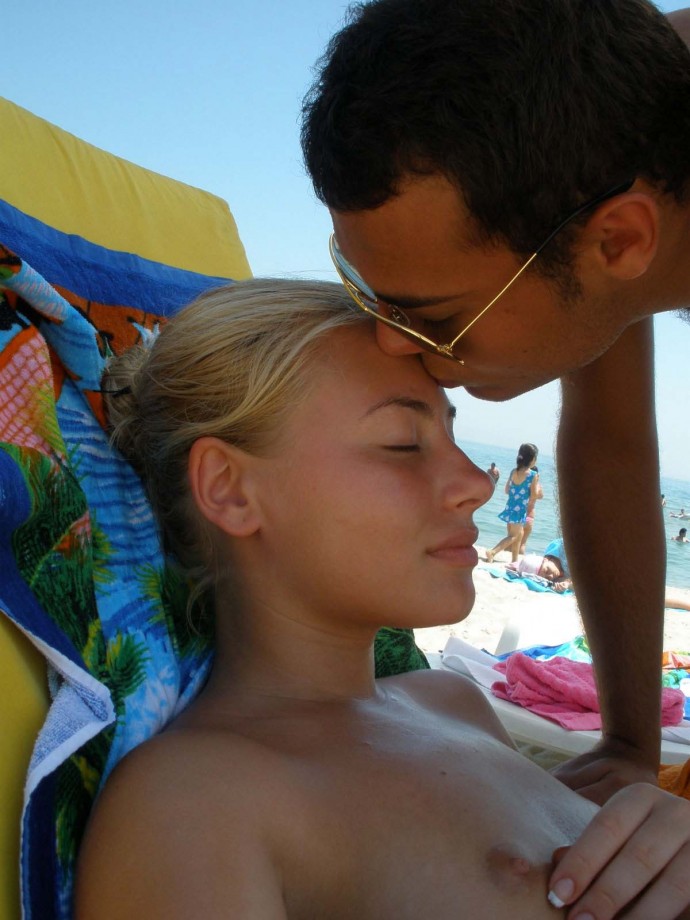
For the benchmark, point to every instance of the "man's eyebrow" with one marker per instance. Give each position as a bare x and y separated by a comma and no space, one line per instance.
407,402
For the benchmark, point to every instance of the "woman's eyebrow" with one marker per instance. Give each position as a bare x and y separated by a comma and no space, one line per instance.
408,402
405,402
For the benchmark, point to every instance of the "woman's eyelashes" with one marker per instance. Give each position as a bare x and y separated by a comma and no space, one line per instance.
403,448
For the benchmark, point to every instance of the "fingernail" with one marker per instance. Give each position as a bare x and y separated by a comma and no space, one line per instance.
561,892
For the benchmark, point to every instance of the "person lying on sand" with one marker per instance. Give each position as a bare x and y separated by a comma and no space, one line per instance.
548,567
311,486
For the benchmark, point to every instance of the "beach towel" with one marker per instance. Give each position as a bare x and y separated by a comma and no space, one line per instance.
675,778
576,649
565,691
95,252
530,581
676,673
83,573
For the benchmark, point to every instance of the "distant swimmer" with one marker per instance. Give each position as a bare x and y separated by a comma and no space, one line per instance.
682,514
494,472
682,536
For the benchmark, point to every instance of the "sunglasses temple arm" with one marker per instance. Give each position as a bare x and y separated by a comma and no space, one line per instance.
497,297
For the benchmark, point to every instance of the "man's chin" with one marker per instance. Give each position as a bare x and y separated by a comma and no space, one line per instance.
495,392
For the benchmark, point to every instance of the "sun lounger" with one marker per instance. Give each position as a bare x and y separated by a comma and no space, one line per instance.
528,728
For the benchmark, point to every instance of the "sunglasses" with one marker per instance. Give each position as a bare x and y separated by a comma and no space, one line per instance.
410,325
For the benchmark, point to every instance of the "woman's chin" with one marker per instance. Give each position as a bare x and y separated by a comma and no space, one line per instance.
453,613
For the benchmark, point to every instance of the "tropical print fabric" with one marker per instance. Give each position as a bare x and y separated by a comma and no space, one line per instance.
83,575
395,652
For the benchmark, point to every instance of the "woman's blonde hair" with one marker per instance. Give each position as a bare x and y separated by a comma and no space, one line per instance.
229,365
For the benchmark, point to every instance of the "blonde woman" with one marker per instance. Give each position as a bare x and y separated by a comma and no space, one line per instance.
311,486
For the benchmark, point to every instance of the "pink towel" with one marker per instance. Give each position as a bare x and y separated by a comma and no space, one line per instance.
565,692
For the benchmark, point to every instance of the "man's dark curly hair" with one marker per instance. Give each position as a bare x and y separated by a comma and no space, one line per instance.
529,107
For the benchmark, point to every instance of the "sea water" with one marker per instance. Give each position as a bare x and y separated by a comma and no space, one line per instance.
547,523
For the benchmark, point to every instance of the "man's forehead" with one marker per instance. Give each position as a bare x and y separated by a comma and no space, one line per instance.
413,250
427,210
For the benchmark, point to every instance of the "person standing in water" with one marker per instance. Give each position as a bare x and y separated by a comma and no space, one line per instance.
529,523
522,488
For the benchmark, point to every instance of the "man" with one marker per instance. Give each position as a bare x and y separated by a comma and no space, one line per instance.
509,184
494,472
682,536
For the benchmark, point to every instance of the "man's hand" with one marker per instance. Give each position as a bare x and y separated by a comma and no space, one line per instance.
605,770
635,854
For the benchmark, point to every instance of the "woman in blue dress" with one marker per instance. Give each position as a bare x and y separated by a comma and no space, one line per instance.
522,489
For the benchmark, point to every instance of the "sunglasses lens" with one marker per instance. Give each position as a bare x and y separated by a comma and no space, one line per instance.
411,327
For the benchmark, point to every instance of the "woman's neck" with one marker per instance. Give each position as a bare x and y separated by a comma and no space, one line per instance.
268,651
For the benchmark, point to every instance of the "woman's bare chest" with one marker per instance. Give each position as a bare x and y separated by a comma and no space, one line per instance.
410,829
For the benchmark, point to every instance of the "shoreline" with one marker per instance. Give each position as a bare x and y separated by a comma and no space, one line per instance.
540,618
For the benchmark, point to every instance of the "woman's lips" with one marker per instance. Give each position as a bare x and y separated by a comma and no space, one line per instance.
458,550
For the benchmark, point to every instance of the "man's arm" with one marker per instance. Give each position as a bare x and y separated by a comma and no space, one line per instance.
608,470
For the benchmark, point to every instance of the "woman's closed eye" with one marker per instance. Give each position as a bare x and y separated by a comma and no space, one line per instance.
404,448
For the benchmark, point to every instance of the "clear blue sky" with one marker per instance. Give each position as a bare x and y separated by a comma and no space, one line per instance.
209,93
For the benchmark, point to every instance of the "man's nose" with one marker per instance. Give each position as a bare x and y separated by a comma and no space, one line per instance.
393,343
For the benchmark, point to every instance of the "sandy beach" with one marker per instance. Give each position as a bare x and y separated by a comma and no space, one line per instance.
546,618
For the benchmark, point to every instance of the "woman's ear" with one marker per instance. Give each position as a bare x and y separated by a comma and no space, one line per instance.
625,233
220,481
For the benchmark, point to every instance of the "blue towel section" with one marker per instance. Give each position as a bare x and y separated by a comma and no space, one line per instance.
84,575
99,274
575,649
532,582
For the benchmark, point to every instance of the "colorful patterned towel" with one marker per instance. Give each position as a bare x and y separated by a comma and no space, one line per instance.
533,582
83,574
565,691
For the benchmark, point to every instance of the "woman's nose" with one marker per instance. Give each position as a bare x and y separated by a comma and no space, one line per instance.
470,485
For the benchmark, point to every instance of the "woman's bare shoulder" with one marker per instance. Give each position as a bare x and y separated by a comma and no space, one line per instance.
189,760
178,805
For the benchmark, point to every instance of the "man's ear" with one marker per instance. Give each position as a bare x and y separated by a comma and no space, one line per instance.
625,233
220,480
